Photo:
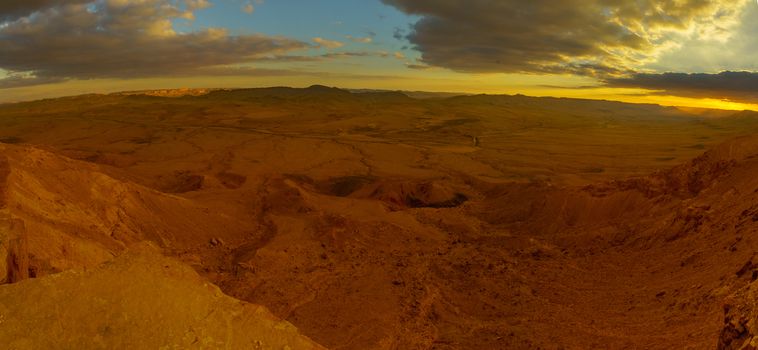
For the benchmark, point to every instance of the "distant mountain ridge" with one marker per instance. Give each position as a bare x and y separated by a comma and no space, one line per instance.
323,91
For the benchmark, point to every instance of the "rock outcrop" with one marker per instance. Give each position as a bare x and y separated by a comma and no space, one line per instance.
14,247
740,330
57,213
141,300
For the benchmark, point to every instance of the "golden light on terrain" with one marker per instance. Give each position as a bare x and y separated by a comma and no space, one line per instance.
378,174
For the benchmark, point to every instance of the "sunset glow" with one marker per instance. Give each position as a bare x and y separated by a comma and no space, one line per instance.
594,49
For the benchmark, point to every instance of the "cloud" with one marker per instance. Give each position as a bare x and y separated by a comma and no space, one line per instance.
12,9
248,8
739,52
733,86
362,40
252,72
348,54
399,33
588,37
329,44
417,66
21,80
123,39
323,57
193,5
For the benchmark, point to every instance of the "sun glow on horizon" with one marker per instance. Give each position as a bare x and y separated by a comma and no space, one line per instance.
442,85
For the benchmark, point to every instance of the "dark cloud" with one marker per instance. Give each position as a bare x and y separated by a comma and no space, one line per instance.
348,54
734,86
20,80
23,80
12,9
417,66
588,37
399,33
123,39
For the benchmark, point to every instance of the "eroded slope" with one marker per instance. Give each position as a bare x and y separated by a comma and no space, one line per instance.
140,300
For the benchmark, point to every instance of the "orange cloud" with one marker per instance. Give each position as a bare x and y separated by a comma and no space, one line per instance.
330,44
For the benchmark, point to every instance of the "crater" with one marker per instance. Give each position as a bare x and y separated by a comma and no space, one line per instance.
345,186
180,182
400,193
231,181
457,200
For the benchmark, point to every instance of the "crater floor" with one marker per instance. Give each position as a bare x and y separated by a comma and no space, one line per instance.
378,221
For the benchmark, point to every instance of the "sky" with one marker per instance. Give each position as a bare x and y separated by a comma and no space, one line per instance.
695,53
